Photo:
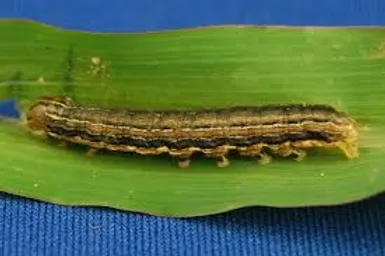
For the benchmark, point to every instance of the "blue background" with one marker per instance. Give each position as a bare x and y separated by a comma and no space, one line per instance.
29,227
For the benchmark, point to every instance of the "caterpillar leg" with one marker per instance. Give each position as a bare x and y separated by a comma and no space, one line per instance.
286,149
91,152
251,151
183,162
264,158
223,162
299,154
256,151
219,153
182,157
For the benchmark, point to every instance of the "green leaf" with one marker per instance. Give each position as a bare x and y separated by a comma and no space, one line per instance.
184,69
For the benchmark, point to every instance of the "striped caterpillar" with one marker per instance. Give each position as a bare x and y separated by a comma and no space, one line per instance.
284,130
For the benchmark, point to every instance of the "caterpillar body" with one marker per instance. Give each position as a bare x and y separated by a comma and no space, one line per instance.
259,131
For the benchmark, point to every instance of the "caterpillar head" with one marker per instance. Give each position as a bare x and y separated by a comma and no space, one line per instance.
36,115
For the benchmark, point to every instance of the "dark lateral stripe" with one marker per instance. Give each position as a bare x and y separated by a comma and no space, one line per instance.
185,143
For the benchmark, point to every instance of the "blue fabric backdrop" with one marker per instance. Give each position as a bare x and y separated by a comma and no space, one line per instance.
34,228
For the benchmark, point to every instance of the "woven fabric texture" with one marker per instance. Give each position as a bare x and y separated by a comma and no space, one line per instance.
34,228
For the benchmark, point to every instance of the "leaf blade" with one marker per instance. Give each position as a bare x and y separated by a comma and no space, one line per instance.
210,67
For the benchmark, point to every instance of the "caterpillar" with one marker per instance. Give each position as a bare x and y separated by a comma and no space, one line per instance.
258,132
